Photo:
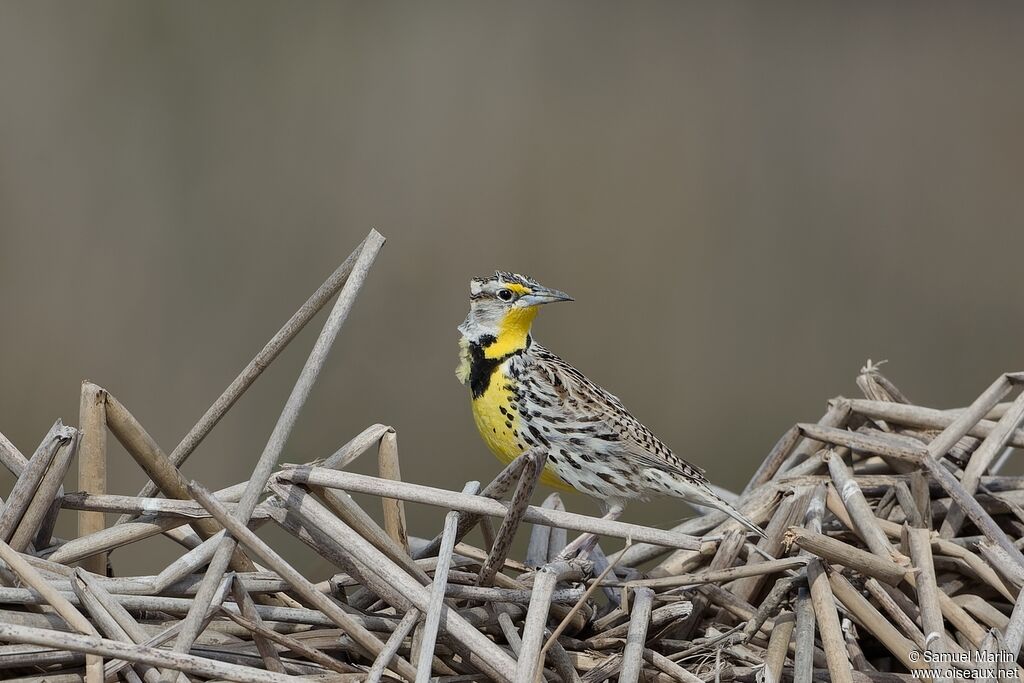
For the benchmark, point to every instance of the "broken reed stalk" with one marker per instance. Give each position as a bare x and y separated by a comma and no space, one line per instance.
282,429
92,464
479,505
840,499
251,372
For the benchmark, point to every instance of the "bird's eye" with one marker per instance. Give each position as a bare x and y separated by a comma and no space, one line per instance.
505,294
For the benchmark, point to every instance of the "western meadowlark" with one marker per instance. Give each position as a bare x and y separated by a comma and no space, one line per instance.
526,396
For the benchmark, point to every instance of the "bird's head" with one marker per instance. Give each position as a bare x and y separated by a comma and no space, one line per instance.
501,310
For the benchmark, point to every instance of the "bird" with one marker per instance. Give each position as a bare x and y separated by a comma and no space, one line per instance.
525,397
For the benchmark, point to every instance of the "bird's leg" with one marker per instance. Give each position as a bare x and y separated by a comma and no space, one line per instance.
584,543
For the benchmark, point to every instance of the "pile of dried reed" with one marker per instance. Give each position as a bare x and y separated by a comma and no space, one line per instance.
890,534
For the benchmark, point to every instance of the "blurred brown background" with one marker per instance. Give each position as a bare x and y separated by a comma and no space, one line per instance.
747,200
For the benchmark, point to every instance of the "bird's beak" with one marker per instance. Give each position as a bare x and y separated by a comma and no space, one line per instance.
543,295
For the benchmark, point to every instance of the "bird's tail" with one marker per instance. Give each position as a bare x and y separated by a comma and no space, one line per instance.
699,493
727,508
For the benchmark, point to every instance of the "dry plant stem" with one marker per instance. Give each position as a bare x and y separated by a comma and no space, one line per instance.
11,457
1013,634
639,618
716,576
299,583
45,495
728,549
264,646
770,466
540,537
259,363
828,622
868,617
920,550
33,579
391,582
973,509
28,480
96,647
120,615
114,537
531,661
836,551
145,451
895,612
290,643
837,415
778,647
866,443
92,464
394,510
432,617
279,436
670,668
864,521
383,660
497,488
341,504
928,418
349,481
535,459
980,460
803,665
111,629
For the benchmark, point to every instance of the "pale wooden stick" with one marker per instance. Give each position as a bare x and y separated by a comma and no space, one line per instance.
390,581
394,510
837,415
920,550
771,464
716,575
290,643
96,646
536,458
11,457
864,521
803,665
540,538
898,615
151,458
279,437
530,660
827,619
639,618
500,485
106,623
45,495
980,460
302,586
668,667
63,607
888,447
836,551
432,617
259,363
928,418
778,646
27,484
383,659
341,504
870,619
92,464
350,481
973,509
247,607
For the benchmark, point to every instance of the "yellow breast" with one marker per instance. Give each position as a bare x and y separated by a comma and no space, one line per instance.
501,427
